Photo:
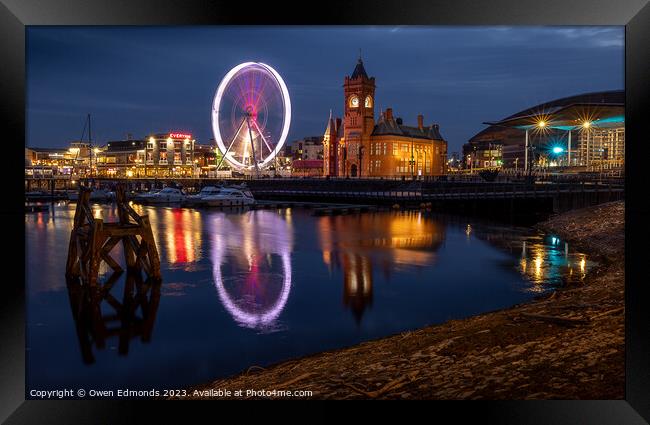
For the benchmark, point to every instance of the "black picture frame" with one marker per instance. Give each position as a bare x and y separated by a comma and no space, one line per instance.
15,15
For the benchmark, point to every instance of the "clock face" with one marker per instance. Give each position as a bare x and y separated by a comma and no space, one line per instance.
368,102
354,102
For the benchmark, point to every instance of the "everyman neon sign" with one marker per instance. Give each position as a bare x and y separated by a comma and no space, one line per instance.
180,136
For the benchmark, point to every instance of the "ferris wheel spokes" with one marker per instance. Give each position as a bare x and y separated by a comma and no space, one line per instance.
247,120
250,136
231,142
263,138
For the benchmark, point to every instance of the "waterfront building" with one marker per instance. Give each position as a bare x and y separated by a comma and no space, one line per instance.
483,154
159,155
169,154
121,158
359,146
586,131
206,156
308,148
48,162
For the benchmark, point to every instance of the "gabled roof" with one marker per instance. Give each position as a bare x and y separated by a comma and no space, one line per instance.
390,127
334,127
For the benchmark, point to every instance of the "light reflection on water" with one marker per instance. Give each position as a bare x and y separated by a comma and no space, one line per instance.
254,248
255,287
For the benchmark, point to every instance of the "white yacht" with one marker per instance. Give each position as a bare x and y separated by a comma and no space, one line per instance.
168,195
198,199
230,197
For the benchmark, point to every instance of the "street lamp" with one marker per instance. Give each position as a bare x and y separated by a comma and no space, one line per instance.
586,126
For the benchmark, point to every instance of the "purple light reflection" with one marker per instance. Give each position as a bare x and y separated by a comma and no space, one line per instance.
253,234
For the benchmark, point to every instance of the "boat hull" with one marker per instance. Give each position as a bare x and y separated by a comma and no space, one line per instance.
228,202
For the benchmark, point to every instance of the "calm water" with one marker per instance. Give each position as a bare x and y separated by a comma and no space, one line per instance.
244,288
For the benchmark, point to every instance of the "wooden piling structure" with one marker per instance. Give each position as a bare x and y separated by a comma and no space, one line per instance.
91,241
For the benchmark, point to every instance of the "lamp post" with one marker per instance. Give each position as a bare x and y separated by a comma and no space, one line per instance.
568,150
526,153
586,127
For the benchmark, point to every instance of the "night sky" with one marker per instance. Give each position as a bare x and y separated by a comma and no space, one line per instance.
140,80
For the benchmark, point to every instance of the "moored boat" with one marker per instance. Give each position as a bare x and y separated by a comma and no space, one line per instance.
168,195
198,199
230,197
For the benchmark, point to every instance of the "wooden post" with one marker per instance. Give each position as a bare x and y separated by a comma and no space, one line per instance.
91,241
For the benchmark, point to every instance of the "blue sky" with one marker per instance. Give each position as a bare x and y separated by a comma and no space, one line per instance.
140,80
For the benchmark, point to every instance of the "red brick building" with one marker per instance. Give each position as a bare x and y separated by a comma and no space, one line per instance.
357,146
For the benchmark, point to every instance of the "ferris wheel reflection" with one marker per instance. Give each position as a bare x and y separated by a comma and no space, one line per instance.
251,266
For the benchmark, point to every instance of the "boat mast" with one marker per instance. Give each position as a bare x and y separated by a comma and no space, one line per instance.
90,144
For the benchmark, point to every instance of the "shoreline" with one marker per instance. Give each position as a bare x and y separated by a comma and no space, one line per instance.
566,345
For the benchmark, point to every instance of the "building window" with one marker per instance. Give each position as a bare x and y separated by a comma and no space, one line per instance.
405,148
163,146
395,148
385,148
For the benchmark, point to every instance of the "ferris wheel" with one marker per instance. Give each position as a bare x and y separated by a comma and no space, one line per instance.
251,114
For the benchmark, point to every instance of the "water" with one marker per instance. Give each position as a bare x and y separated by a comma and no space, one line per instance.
243,288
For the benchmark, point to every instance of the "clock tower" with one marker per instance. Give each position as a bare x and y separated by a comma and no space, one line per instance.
359,121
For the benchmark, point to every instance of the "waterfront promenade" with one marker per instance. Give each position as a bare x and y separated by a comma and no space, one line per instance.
510,197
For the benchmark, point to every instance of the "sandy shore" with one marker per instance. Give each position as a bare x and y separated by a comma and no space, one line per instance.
569,345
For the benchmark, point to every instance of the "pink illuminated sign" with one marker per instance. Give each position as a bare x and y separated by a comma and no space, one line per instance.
180,136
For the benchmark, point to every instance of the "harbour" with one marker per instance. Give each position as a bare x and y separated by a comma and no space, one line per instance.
238,279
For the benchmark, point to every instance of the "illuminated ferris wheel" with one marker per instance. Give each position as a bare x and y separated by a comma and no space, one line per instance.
251,114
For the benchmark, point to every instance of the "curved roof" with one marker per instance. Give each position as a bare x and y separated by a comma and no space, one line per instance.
612,97
564,111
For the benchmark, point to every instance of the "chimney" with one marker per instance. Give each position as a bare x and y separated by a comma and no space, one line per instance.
420,121
389,114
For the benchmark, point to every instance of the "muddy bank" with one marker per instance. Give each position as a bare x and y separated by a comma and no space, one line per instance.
569,345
